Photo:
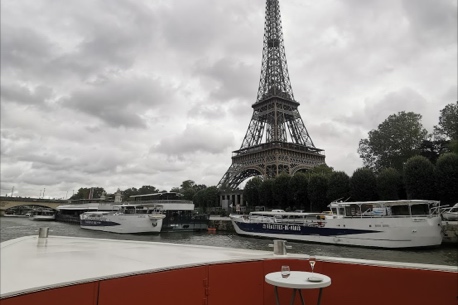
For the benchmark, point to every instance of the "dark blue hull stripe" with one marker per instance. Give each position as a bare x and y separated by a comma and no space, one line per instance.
98,223
295,229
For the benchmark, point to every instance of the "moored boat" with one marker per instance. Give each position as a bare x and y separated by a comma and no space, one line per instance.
71,212
42,214
180,214
450,214
125,218
383,224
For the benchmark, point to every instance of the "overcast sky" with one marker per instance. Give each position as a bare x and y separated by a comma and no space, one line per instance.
121,94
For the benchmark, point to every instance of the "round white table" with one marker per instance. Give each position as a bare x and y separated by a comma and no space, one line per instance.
297,281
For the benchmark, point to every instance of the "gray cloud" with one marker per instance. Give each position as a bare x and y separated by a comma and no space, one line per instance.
148,92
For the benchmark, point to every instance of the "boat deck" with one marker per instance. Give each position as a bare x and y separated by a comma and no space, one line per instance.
79,271
84,259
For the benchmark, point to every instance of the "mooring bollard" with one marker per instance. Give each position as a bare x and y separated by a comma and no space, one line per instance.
43,232
280,247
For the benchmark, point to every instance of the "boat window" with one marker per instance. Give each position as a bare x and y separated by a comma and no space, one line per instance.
419,209
352,210
342,211
334,211
400,210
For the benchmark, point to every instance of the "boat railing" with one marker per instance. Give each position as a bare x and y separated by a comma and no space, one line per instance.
160,201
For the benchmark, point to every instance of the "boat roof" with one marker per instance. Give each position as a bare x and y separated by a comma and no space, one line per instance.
157,194
386,202
283,213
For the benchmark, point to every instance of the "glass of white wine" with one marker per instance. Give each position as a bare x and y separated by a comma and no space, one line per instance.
312,261
285,272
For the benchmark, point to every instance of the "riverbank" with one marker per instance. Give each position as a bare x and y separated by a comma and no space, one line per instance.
221,224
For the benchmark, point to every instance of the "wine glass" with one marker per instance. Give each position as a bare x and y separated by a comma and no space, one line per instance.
312,261
285,272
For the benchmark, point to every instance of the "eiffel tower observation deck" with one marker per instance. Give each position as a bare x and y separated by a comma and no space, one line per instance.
277,140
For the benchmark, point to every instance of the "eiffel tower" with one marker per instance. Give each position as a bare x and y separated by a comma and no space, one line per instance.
276,141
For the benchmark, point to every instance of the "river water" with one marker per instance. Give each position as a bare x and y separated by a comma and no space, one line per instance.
445,255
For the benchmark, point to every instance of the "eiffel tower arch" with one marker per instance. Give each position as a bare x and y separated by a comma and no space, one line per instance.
277,140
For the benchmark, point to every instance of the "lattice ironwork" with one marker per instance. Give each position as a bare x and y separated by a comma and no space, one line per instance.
276,140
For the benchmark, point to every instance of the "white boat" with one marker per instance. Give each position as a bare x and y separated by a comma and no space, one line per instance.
126,219
180,214
450,214
42,214
383,224
71,212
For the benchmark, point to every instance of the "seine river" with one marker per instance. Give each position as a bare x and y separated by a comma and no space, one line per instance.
444,255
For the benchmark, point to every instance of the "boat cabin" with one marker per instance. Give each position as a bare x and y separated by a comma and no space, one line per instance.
395,208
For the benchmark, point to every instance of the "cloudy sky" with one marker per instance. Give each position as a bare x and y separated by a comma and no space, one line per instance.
127,93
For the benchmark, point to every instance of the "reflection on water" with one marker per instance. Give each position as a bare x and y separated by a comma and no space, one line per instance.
445,255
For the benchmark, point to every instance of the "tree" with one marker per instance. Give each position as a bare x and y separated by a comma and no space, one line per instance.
84,193
251,191
280,190
338,186
175,189
298,191
266,193
321,169
189,188
396,140
129,192
448,123
432,149
147,189
317,189
419,178
389,184
363,185
446,173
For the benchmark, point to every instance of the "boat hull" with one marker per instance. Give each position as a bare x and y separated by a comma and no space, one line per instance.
452,216
43,217
128,224
370,232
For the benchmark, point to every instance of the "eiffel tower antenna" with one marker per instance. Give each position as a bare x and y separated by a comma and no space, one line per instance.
277,140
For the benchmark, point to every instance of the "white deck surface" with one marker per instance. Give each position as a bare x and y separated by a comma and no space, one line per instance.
29,263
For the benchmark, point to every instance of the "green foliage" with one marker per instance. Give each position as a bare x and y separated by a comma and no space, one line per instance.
175,190
266,193
447,178
129,192
419,178
206,198
298,191
189,188
432,149
280,190
83,193
448,123
251,191
338,186
453,146
147,189
363,186
397,139
321,169
389,184
317,189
